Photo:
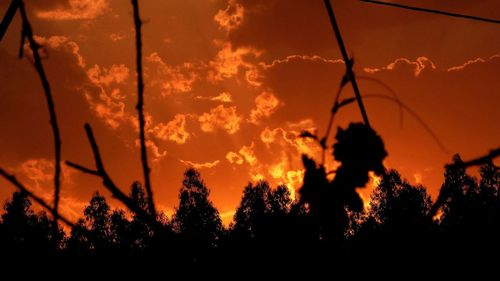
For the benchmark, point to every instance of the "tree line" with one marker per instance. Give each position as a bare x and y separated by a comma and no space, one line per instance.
269,224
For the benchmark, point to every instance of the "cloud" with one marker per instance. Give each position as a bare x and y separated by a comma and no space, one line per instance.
234,158
418,66
276,157
256,170
195,165
291,178
62,43
289,137
109,107
222,97
102,87
109,101
156,153
254,74
472,62
220,117
171,79
294,58
39,171
248,154
115,74
231,17
76,10
265,105
228,62
174,130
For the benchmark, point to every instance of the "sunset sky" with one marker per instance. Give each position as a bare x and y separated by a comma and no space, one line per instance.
230,83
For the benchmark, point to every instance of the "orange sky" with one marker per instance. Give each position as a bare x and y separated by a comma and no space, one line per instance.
229,84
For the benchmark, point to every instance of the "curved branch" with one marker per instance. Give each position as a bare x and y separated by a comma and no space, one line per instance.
408,109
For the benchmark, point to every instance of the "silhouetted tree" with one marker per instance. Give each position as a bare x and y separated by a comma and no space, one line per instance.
121,233
196,219
23,232
399,206
250,215
460,209
78,243
469,220
93,235
141,232
398,220
262,211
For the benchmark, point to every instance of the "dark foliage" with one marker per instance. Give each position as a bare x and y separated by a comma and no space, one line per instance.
269,227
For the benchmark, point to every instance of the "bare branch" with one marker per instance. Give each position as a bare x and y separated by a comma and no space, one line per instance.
140,107
444,193
110,185
9,16
82,169
40,201
348,61
478,161
28,33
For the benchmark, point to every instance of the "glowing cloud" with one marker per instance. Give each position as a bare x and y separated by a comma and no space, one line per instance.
174,130
228,62
41,172
222,97
248,154
265,105
109,102
292,58
63,43
230,18
156,154
109,107
234,158
220,117
115,74
171,79
195,165
472,62
418,66
77,10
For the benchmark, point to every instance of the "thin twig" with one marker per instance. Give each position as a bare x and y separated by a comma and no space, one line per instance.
404,106
390,90
347,60
101,172
28,32
40,201
433,11
140,107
